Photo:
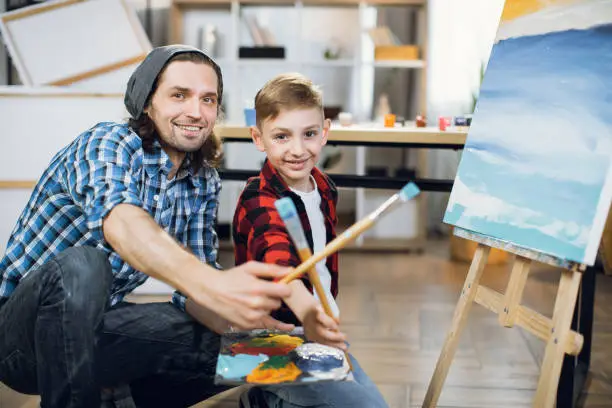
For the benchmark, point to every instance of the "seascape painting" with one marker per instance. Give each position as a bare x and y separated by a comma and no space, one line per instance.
273,357
535,171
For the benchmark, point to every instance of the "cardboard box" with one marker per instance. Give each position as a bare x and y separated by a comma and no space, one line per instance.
396,52
463,250
605,247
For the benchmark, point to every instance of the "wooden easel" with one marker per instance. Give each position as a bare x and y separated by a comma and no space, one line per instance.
556,332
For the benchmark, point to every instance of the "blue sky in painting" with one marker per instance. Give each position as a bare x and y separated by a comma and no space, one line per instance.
539,148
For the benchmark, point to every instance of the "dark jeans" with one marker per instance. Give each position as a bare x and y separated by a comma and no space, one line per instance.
59,339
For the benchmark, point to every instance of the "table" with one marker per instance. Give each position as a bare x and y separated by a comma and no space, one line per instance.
373,135
364,136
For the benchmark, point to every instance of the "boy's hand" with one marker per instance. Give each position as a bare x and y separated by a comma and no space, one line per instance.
321,328
244,299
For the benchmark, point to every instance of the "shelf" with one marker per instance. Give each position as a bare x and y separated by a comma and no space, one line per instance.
342,63
417,64
409,245
354,181
330,63
222,61
256,62
363,134
390,245
350,81
267,3
283,61
203,3
305,2
368,2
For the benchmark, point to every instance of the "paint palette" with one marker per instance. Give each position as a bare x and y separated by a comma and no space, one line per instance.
275,357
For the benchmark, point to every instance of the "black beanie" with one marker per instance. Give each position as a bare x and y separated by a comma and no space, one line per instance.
141,82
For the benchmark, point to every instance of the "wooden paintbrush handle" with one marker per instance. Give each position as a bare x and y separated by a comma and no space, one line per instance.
313,276
337,244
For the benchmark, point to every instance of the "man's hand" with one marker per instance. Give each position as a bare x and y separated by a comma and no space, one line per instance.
241,297
270,323
220,325
321,328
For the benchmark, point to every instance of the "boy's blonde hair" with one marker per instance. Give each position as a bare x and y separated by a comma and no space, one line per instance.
286,91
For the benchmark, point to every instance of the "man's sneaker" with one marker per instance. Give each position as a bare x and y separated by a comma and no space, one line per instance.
118,397
253,398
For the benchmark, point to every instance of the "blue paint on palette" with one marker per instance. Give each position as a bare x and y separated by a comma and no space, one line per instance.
238,366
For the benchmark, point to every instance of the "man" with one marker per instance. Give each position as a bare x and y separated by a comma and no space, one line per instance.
122,202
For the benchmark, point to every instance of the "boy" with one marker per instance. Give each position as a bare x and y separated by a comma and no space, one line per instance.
291,130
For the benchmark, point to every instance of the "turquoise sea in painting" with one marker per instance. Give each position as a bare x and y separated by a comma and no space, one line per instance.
536,166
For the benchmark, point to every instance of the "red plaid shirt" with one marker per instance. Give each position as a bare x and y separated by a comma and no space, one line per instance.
259,233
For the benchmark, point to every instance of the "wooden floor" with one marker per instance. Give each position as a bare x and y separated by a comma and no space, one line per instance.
396,309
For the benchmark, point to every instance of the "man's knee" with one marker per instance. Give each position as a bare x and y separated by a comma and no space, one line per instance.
86,274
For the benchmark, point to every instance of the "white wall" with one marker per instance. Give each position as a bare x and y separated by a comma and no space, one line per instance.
2,54
460,38
12,202
461,34
52,119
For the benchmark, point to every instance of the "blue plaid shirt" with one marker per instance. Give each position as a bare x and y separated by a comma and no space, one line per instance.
103,167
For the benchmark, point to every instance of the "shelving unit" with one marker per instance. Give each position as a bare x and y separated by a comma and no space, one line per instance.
308,27
345,20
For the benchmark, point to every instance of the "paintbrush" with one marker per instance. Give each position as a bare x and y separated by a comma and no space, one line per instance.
408,192
288,213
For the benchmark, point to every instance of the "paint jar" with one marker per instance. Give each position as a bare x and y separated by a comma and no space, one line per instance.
249,116
461,121
389,120
420,121
345,118
444,122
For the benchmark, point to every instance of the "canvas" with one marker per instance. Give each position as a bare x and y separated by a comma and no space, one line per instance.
274,357
535,171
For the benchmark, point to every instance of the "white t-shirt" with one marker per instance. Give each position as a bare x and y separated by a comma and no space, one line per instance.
312,202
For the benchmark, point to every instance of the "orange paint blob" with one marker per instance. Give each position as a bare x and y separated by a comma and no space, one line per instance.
276,370
273,345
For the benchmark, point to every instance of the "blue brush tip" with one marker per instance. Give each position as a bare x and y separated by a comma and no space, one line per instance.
409,191
285,207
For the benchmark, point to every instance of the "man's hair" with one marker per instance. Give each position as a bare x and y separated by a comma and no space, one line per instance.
211,153
286,92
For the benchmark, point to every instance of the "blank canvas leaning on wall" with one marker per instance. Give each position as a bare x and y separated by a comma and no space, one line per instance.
65,42
36,123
